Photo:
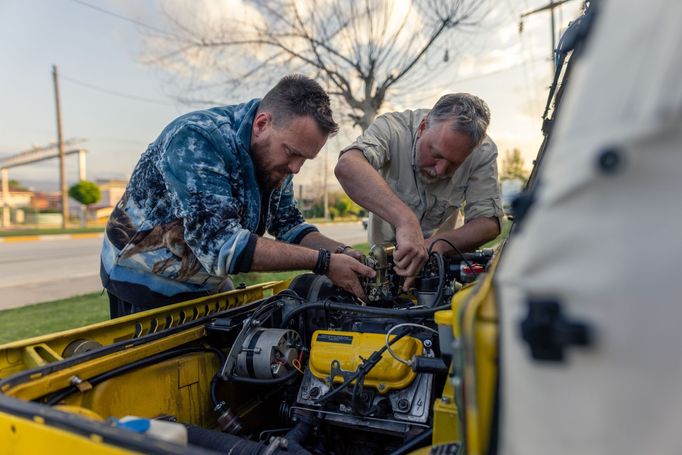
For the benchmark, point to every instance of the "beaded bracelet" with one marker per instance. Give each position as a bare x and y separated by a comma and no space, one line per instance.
323,260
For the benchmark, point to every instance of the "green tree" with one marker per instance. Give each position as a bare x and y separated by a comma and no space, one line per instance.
342,205
513,166
86,193
333,212
16,185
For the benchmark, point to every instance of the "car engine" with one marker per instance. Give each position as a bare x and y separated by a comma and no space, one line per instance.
359,377
311,369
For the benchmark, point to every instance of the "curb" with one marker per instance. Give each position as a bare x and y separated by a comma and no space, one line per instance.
44,238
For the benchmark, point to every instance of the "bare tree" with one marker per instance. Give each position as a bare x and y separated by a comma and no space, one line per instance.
360,50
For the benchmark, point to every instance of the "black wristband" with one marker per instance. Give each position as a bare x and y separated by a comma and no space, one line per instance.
323,259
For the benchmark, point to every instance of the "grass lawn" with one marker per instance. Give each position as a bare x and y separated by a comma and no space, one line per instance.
51,231
506,225
48,317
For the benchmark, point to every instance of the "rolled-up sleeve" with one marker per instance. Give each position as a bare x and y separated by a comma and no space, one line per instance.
287,223
482,194
374,143
200,183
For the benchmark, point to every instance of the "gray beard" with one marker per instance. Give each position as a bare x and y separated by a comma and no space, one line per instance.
426,180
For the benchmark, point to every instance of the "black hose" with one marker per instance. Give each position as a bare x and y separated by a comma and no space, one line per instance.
131,366
216,377
421,440
300,433
441,276
273,381
386,312
214,390
228,443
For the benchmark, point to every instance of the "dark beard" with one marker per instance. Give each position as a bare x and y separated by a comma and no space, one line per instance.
266,182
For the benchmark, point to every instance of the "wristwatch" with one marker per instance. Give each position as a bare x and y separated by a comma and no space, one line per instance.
342,248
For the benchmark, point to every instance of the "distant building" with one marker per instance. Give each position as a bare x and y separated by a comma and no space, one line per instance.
18,198
46,201
112,191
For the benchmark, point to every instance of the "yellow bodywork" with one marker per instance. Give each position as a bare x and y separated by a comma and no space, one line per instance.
349,348
141,392
474,325
462,411
27,436
35,352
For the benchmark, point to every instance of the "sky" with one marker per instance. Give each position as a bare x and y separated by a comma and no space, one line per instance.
119,105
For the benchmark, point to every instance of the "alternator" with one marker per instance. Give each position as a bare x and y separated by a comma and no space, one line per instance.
268,353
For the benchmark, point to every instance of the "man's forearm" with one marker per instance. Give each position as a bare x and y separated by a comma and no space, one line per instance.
468,237
271,255
365,186
316,240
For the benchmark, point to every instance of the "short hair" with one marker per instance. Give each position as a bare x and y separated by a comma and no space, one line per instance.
470,114
296,95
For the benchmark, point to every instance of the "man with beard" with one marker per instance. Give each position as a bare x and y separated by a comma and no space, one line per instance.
203,194
414,170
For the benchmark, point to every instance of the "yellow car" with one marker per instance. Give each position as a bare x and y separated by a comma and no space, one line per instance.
564,340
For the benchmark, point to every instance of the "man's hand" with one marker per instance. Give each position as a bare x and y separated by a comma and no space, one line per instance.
410,253
344,271
355,254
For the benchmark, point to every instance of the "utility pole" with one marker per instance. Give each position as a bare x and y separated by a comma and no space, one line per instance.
551,6
60,144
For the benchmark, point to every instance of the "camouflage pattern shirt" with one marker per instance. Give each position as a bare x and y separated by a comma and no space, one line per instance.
192,211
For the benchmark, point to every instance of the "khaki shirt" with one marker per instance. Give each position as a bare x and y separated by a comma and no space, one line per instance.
389,144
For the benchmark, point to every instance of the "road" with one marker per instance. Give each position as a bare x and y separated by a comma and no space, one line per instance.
32,272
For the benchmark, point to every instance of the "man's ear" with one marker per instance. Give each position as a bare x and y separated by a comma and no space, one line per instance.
261,121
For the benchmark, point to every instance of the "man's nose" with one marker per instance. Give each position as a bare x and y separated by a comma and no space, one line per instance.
296,166
442,168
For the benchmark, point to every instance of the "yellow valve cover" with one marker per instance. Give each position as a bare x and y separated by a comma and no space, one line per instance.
348,348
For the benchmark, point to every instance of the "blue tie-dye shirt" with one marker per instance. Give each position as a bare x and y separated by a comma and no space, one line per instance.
192,210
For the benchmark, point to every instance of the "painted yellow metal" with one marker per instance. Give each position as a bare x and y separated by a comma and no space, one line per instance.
24,436
25,354
179,387
43,385
446,424
83,412
479,332
444,317
422,451
474,324
349,348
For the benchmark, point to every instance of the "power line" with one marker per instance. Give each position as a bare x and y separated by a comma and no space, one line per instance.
124,18
115,93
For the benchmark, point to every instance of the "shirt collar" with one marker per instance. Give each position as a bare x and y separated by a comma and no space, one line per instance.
244,117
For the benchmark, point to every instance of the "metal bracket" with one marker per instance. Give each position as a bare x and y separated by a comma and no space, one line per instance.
548,332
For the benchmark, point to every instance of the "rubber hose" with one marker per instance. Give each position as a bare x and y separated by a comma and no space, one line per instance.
273,381
387,312
228,443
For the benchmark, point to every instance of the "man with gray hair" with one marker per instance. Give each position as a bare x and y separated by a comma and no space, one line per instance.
413,170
